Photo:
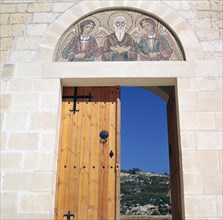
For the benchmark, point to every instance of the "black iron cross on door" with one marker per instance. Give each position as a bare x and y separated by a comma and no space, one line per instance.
76,97
68,215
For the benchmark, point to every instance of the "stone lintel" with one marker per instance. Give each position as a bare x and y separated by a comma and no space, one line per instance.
127,73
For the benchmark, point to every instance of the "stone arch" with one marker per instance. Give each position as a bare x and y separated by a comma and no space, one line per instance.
179,26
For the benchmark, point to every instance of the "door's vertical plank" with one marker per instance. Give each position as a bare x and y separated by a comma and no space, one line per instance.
75,161
112,158
175,178
101,161
65,150
118,144
56,216
69,157
105,122
84,161
68,147
94,156
63,179
172,155
104,119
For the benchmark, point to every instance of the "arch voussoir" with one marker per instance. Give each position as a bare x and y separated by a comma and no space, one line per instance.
163,12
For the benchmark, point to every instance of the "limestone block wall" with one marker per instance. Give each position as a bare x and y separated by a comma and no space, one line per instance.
31,98
200,110
30,113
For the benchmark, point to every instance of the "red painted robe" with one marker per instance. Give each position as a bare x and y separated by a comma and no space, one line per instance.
88,47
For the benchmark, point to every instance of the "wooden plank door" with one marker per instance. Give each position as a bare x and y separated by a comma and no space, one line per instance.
88,167
174,158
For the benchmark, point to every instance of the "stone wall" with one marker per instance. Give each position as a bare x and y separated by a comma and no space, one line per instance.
31,98
23,24
29,122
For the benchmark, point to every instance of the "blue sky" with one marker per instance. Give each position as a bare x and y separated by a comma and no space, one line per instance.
144,137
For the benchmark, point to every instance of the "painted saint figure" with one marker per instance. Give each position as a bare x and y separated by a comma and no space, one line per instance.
153,46
82,47
119,46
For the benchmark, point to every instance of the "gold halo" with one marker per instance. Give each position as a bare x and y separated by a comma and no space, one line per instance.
128,18
159,26
96,21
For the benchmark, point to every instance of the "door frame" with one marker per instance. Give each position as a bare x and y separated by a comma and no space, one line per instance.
157,92
124,74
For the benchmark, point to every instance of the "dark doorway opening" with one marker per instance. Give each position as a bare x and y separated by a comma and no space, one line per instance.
145,155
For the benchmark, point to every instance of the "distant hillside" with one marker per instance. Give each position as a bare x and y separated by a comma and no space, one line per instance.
144,193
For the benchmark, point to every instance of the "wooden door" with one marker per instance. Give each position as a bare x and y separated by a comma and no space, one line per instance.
88,167
174,158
